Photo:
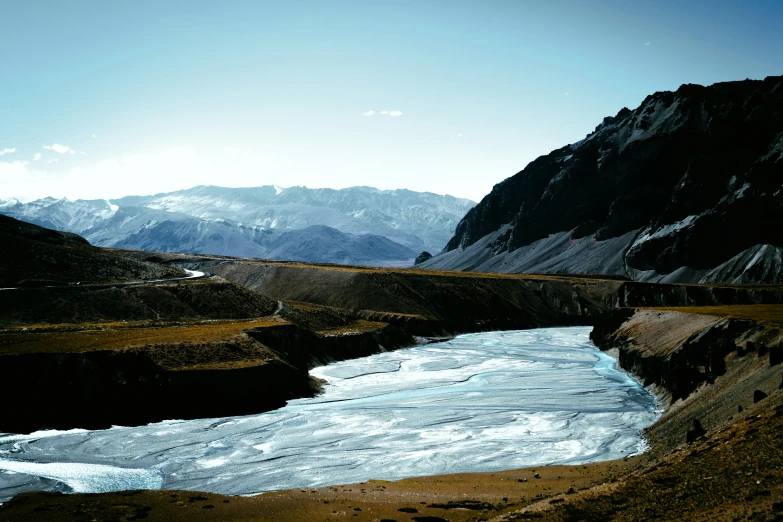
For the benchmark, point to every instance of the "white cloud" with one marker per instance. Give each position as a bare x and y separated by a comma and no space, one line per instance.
94,136
231,150
384,112
12,175
395,113
647,44
62,149
459,135
567,93
368,113
166,171
36,156
7,151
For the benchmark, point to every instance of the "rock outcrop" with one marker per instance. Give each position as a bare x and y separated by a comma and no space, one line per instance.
704,367
422,257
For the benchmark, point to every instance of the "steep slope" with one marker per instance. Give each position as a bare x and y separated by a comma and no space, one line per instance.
140,228
34,255
687,187
61,214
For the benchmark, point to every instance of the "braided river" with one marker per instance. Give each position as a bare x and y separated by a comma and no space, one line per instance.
479,402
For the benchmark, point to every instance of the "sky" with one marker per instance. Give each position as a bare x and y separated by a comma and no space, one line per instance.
106,99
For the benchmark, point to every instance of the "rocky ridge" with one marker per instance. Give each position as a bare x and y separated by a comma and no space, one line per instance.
36,256
684,188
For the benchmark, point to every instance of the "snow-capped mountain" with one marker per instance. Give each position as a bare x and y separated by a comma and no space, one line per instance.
418,220
685,188
359,225
61,214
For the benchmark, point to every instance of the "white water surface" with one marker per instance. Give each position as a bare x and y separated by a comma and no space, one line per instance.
479,402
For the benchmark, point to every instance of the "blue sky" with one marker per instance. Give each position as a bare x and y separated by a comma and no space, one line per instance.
143,97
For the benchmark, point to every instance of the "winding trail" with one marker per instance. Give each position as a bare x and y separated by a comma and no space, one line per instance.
192,274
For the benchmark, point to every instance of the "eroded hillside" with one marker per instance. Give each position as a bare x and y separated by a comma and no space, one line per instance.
684,188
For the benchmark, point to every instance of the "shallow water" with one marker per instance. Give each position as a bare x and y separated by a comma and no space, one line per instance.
479,402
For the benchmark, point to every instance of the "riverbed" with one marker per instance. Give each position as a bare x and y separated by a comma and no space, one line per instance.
479,402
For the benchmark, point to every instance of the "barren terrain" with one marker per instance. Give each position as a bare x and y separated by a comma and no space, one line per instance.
711,353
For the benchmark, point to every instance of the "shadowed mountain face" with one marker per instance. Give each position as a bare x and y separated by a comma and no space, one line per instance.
255,222
34,255
324,244
687,187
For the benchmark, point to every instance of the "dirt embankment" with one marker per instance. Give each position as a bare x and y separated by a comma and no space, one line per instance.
93,376
182,300
706,368
636,294
715,453
431,303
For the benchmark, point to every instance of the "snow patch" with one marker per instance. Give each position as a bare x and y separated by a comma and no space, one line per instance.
741,191
665,230
657,120
755,259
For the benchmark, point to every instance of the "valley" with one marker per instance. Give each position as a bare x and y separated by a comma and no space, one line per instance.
197,357
407,261
672,337
214,365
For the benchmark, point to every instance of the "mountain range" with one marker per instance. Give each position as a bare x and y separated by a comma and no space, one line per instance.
358,225
687,187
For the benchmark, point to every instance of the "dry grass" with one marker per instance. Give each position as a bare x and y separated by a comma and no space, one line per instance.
115,336
764,313
356,327
425,272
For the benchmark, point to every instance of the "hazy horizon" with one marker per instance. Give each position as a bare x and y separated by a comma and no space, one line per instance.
108,100
150,194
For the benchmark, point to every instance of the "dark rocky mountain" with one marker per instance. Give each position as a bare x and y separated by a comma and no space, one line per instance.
34,255
686,187
422,257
